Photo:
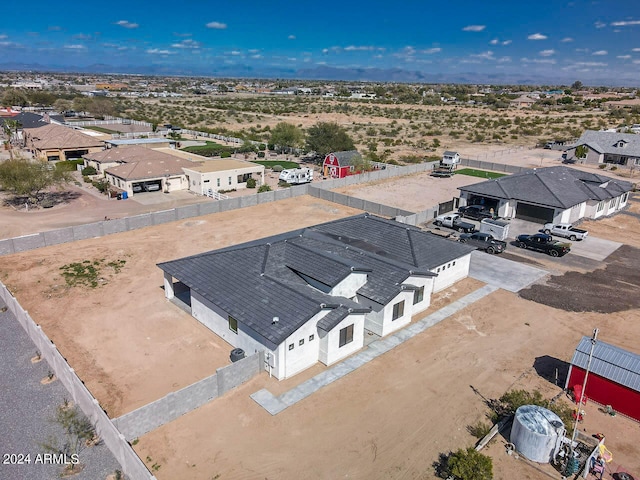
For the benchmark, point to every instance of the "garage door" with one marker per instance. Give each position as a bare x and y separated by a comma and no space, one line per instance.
534,213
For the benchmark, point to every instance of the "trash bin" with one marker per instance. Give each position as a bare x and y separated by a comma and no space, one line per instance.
125,195
119,196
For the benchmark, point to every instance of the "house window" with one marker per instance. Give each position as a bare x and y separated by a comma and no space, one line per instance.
218,182
612,203
291,346
301,342
454,264
346,335
600,206
311,337
625,197
206,181
233,324
418,295
229,180
398,310
438,270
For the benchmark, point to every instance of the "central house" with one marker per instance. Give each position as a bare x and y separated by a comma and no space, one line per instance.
314,294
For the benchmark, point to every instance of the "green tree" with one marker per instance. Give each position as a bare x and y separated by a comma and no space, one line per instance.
10,128
22,177
327,137
582,151
577,85
286,136
78,432
470,465
13,97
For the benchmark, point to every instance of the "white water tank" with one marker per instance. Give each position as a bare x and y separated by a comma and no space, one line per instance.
535,432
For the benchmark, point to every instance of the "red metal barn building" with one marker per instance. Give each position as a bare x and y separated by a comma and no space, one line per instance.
614,376
339,164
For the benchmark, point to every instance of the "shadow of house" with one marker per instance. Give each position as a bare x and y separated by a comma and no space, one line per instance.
552,369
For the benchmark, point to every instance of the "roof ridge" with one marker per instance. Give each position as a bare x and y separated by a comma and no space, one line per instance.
549,189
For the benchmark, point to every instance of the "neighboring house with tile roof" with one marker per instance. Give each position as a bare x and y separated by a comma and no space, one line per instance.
141,142
614,376
340,164
522,101
607,147
223,174
553,194
57,142
316,293
138,169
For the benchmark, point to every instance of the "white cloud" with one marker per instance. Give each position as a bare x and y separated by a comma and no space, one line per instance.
589,64
624,57
291,37
325,50
488,55
599,24
127,24
547,53
236,52
566,40
430,51
82,36
360,48
75,47
216,25
538,60
600,52
188,43
253,50
256,56
474,28
3,37
625,23
635,49
495,41
504,59
506,42
157,51
537,36
636,62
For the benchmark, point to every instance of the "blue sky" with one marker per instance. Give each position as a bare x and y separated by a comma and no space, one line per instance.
593,41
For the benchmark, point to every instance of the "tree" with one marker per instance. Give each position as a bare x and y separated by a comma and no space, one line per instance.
469,465
12,97
286,136
10,128
22,177
581,151
327,137
577,85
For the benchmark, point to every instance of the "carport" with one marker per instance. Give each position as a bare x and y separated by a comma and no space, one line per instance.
534,213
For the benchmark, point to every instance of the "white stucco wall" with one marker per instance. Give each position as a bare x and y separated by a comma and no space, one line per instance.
450,272
427,283
349,286
330,350
300,357
200,182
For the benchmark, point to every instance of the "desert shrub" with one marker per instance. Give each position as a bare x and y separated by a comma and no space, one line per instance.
479,429
89,171
225,155
86,179
283,184
470,465
602,166
251,183
411,159
261,155
277,168
264,188
613,168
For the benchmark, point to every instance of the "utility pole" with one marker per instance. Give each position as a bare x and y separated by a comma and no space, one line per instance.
584,383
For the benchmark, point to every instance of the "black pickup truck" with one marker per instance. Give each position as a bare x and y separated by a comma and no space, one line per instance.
475,212
483,241
543,243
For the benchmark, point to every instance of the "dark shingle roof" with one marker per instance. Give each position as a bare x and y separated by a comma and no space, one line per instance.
611,362
272,277
560,187
26,120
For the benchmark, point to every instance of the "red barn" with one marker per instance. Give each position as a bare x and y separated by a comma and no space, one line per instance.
614,376
339,164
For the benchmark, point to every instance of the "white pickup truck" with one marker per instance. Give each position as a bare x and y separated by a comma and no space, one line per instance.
565,230
454,221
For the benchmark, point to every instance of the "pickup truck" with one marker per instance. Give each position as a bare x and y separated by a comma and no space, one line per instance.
564,230
475,212
453,220
543,243
483,241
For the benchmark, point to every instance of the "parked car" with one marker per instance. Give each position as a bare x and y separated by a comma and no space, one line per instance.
453,220
137,188
152,187
475,212
565,230
484,241
543,243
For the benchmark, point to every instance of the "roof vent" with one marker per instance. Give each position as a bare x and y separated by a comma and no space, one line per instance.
275,320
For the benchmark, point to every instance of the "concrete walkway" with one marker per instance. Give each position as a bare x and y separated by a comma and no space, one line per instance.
275,405
503,273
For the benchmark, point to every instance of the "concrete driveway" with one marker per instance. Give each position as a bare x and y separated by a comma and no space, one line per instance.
503,273
592,247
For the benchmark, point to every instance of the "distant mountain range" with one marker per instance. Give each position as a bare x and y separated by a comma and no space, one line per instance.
322,72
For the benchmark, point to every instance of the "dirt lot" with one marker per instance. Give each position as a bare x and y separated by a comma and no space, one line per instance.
389,419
